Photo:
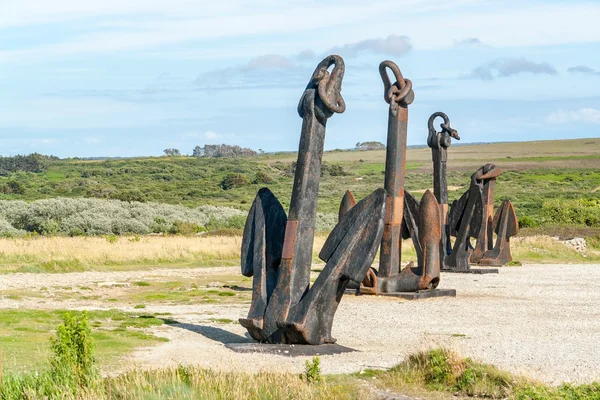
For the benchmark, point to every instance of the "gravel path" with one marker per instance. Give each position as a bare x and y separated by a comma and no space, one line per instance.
542,321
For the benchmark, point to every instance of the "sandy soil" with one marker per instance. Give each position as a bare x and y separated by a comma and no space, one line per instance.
538,320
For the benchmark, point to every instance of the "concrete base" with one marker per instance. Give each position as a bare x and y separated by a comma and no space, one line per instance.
289,350
422,294
479,271
418,295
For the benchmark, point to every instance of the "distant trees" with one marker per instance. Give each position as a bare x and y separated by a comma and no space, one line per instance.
172,152
198,151
370,146
222,150
27,163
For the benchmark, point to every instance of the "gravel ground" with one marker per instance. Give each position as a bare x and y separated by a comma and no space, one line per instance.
542,321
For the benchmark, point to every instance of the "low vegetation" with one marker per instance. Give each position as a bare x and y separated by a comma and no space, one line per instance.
550,184
24,335
73,372
442,370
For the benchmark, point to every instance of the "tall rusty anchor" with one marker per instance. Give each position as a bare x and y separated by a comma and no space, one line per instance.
277,250
465,221
404,216
471,217
439,143
504,223
487,174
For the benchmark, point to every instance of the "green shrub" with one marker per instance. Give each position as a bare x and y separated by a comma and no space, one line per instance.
572,212
185,228
528,222
73,363
333,170
78,217
312,370
231,181
262,178
13,187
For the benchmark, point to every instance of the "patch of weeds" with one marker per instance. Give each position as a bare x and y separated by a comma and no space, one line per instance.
55,266
514,263
458,335
226,294
141,283
111,238
312,371
142,321
222,320
443,370
140,306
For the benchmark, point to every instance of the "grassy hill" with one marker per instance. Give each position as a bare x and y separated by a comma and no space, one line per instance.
534,174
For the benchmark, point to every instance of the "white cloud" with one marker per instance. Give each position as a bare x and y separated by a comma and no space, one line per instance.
92,140
586,115
394,45
211,135
505,67
120,25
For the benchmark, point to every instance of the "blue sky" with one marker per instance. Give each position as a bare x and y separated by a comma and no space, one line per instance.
133,77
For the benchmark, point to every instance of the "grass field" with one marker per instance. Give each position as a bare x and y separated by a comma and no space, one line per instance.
130,283
535,173
129,253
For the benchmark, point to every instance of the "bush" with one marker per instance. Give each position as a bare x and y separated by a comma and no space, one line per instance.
312,371
13,187
73,363
231,181
528,222
572,212
78,217
262,178
333,170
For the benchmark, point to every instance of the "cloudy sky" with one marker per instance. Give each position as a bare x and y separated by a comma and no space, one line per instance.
132,77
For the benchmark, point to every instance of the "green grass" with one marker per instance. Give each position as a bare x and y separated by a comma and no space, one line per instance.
441,370
25,334
197,291
435,374
535,173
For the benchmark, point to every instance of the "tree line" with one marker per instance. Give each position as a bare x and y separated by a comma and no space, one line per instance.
34,162
216,151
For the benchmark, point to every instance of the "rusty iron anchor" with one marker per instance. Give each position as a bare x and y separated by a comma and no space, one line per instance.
488,175
404,216
277,251
439,143
506,225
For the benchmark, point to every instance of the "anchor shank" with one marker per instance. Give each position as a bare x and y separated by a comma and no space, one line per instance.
391,243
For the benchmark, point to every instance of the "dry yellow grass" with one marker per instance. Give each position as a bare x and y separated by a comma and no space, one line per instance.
63,254
95,252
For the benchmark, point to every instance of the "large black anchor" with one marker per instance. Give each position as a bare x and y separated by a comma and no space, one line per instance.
404,215
277,250
439,143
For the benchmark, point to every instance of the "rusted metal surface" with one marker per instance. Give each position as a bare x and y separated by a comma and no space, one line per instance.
262,246
348,252
284,309
425,275
348,201
398,95
465,221
471,217
439,143
485,241
506,225
404,216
